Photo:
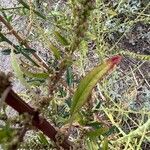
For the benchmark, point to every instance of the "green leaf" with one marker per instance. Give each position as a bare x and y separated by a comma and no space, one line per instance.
28,7
84,48
110,131
97,132
43,139
61,39
105,144
9,18
29,58
92,145
36,82
54,50
88,82
17,70
69,76
6,133
8,51
35,75
95,124
29,50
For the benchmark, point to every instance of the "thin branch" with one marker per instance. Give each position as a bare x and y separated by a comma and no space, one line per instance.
13,100
11,8
22,41
28,7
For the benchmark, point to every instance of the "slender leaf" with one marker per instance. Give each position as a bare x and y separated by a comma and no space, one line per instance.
17,70
88,82
29,50
36,82
105,145
54,50
28,7
43,139
95,124
8,51
35,75
97,132
61,39
69,76
30,59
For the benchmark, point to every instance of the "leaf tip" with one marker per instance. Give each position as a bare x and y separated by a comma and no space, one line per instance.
115,60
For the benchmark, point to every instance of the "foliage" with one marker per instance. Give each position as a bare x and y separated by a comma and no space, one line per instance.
73,37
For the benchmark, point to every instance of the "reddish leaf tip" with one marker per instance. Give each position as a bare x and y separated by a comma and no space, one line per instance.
115,59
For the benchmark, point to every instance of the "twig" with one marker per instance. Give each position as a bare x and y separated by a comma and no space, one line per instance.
134,77
21,41
28,7
144,77
11,8
13,100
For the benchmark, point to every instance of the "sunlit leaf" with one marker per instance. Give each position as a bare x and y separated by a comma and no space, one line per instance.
34,75
88,82
111,12
92,145
17,70
84,48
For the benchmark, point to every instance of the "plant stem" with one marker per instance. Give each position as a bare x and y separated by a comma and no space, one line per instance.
22,41
28,7
13,100
11,8
139,131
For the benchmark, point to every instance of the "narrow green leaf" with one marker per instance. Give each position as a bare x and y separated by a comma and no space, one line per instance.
36,82
84,48
8,51
28,7
110,131
29,58
88,82
17,70
54,50
95,124
92,145
43,139
105,144
69,76
35,75
61,39
97,132
29,50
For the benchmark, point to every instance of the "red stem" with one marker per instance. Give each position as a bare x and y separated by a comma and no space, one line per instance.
39,122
